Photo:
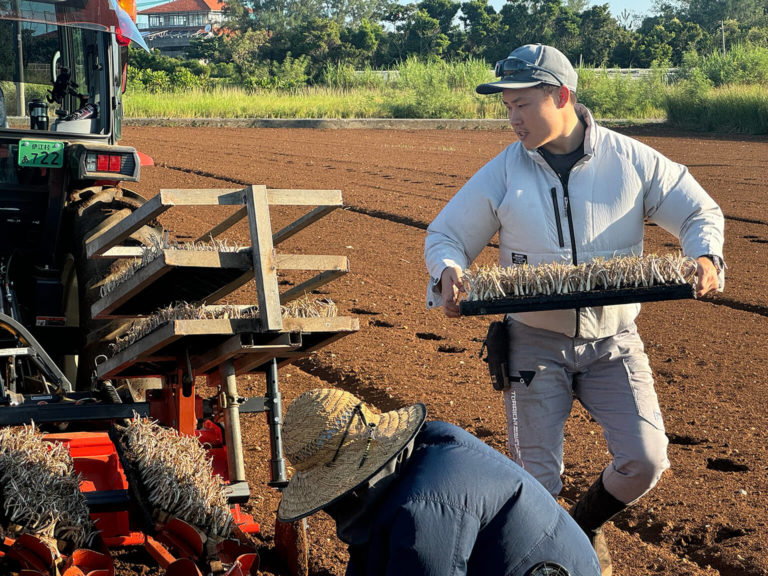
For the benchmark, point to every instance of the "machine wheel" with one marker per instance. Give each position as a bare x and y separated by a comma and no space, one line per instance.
91,212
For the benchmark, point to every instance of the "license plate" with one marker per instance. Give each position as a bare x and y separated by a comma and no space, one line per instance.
41,153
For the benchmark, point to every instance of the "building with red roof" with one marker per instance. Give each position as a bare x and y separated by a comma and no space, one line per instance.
169,27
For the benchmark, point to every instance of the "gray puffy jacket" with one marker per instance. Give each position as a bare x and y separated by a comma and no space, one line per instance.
612,190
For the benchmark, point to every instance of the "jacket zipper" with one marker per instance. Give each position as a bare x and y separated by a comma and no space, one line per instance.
560,238
568,215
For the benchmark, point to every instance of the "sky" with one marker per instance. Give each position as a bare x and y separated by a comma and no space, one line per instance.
639,7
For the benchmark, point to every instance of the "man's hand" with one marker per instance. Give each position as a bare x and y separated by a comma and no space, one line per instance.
706,276
451,286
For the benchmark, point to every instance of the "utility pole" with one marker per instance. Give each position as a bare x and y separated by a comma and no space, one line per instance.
722,30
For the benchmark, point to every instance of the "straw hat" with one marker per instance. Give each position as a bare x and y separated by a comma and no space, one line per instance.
335,443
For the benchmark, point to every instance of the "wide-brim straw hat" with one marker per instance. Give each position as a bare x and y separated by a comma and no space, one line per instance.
335,443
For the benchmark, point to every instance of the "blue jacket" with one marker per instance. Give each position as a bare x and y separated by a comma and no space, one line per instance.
460,507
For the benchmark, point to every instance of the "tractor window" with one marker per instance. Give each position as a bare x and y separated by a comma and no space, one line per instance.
25,62
51,78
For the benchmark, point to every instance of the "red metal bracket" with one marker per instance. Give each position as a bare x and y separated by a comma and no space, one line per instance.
88,563
32,554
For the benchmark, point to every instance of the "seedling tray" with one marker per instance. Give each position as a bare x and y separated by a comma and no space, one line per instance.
577,299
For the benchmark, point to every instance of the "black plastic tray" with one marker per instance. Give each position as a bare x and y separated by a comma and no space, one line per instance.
577,299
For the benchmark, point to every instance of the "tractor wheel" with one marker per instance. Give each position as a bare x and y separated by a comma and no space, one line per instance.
90,213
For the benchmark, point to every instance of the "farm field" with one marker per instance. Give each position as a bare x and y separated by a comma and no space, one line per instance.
709,513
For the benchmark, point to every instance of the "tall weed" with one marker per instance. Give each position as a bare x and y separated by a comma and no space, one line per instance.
743,64
739,109
619,95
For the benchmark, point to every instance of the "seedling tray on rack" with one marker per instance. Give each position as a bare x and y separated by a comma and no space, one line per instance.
577,299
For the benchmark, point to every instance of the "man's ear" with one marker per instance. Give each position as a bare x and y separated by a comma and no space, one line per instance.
563,96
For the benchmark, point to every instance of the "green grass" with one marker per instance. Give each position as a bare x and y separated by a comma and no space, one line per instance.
447,90
239,103
739,109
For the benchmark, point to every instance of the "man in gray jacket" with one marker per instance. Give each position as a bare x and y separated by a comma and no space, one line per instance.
571,191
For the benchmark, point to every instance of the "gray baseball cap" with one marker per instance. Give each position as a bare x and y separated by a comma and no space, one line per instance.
529,66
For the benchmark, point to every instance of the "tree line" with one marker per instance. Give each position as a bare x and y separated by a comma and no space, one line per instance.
264,41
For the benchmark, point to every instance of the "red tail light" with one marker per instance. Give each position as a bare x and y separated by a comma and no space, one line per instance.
108,162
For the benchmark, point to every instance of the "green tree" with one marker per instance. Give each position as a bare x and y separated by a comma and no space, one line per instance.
444,11
654,47
625,48
710,13
213,49
247,49
423,36
577,6
359,44
237,15
319,39
484,30
544,21
598,32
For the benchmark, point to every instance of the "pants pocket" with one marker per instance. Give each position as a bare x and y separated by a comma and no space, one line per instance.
641,383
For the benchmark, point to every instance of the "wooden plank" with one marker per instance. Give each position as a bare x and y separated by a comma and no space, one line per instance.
282,197
208,259
129,288
155,340
125,227
322,324
170,259
229,288
312,262
299,224
123,252
205,196
285,345
312,284
225,225
138,287
263,253
230,196
324,199
219,326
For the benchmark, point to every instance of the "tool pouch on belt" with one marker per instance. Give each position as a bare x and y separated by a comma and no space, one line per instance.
496,346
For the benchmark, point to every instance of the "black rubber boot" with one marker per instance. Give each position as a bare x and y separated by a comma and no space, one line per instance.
594,509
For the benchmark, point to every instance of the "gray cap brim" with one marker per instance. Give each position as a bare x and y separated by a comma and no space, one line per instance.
494,87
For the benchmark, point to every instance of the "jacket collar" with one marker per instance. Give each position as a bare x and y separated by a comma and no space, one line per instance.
590,134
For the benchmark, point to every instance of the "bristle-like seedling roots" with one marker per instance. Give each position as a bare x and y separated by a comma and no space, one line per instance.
126,269
177,475
40,489
300,308
492,282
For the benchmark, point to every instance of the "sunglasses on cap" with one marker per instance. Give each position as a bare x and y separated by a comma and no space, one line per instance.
509,67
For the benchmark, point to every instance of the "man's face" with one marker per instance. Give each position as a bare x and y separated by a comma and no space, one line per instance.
534,115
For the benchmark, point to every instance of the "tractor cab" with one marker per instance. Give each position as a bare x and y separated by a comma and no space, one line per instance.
62,67
62,75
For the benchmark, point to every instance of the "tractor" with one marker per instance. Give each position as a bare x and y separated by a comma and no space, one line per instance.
67,220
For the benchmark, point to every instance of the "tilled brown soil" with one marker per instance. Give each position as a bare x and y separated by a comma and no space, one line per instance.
707,516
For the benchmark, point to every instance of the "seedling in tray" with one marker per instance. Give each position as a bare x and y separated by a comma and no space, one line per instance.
601,282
